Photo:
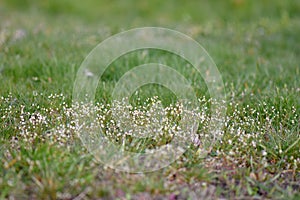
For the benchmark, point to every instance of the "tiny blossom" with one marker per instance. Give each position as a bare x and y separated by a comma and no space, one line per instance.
264,153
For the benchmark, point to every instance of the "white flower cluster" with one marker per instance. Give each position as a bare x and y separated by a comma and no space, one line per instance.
248,131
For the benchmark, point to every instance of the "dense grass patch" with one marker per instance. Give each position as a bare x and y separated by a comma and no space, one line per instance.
255,46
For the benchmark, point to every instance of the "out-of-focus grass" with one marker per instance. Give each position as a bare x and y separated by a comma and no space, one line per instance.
126,13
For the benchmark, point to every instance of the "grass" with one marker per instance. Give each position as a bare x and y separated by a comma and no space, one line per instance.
255,46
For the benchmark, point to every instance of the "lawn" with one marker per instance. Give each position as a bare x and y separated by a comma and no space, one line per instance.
255,46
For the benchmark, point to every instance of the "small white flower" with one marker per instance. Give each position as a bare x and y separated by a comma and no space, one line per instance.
88,73
264,153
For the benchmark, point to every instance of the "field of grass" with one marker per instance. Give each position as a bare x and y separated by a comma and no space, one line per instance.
255,45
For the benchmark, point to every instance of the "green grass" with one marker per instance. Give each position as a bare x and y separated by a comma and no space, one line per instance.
254,45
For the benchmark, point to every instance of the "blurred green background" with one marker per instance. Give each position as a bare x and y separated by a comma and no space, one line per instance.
255,44
157,12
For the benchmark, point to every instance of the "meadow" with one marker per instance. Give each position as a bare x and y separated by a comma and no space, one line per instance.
255,45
